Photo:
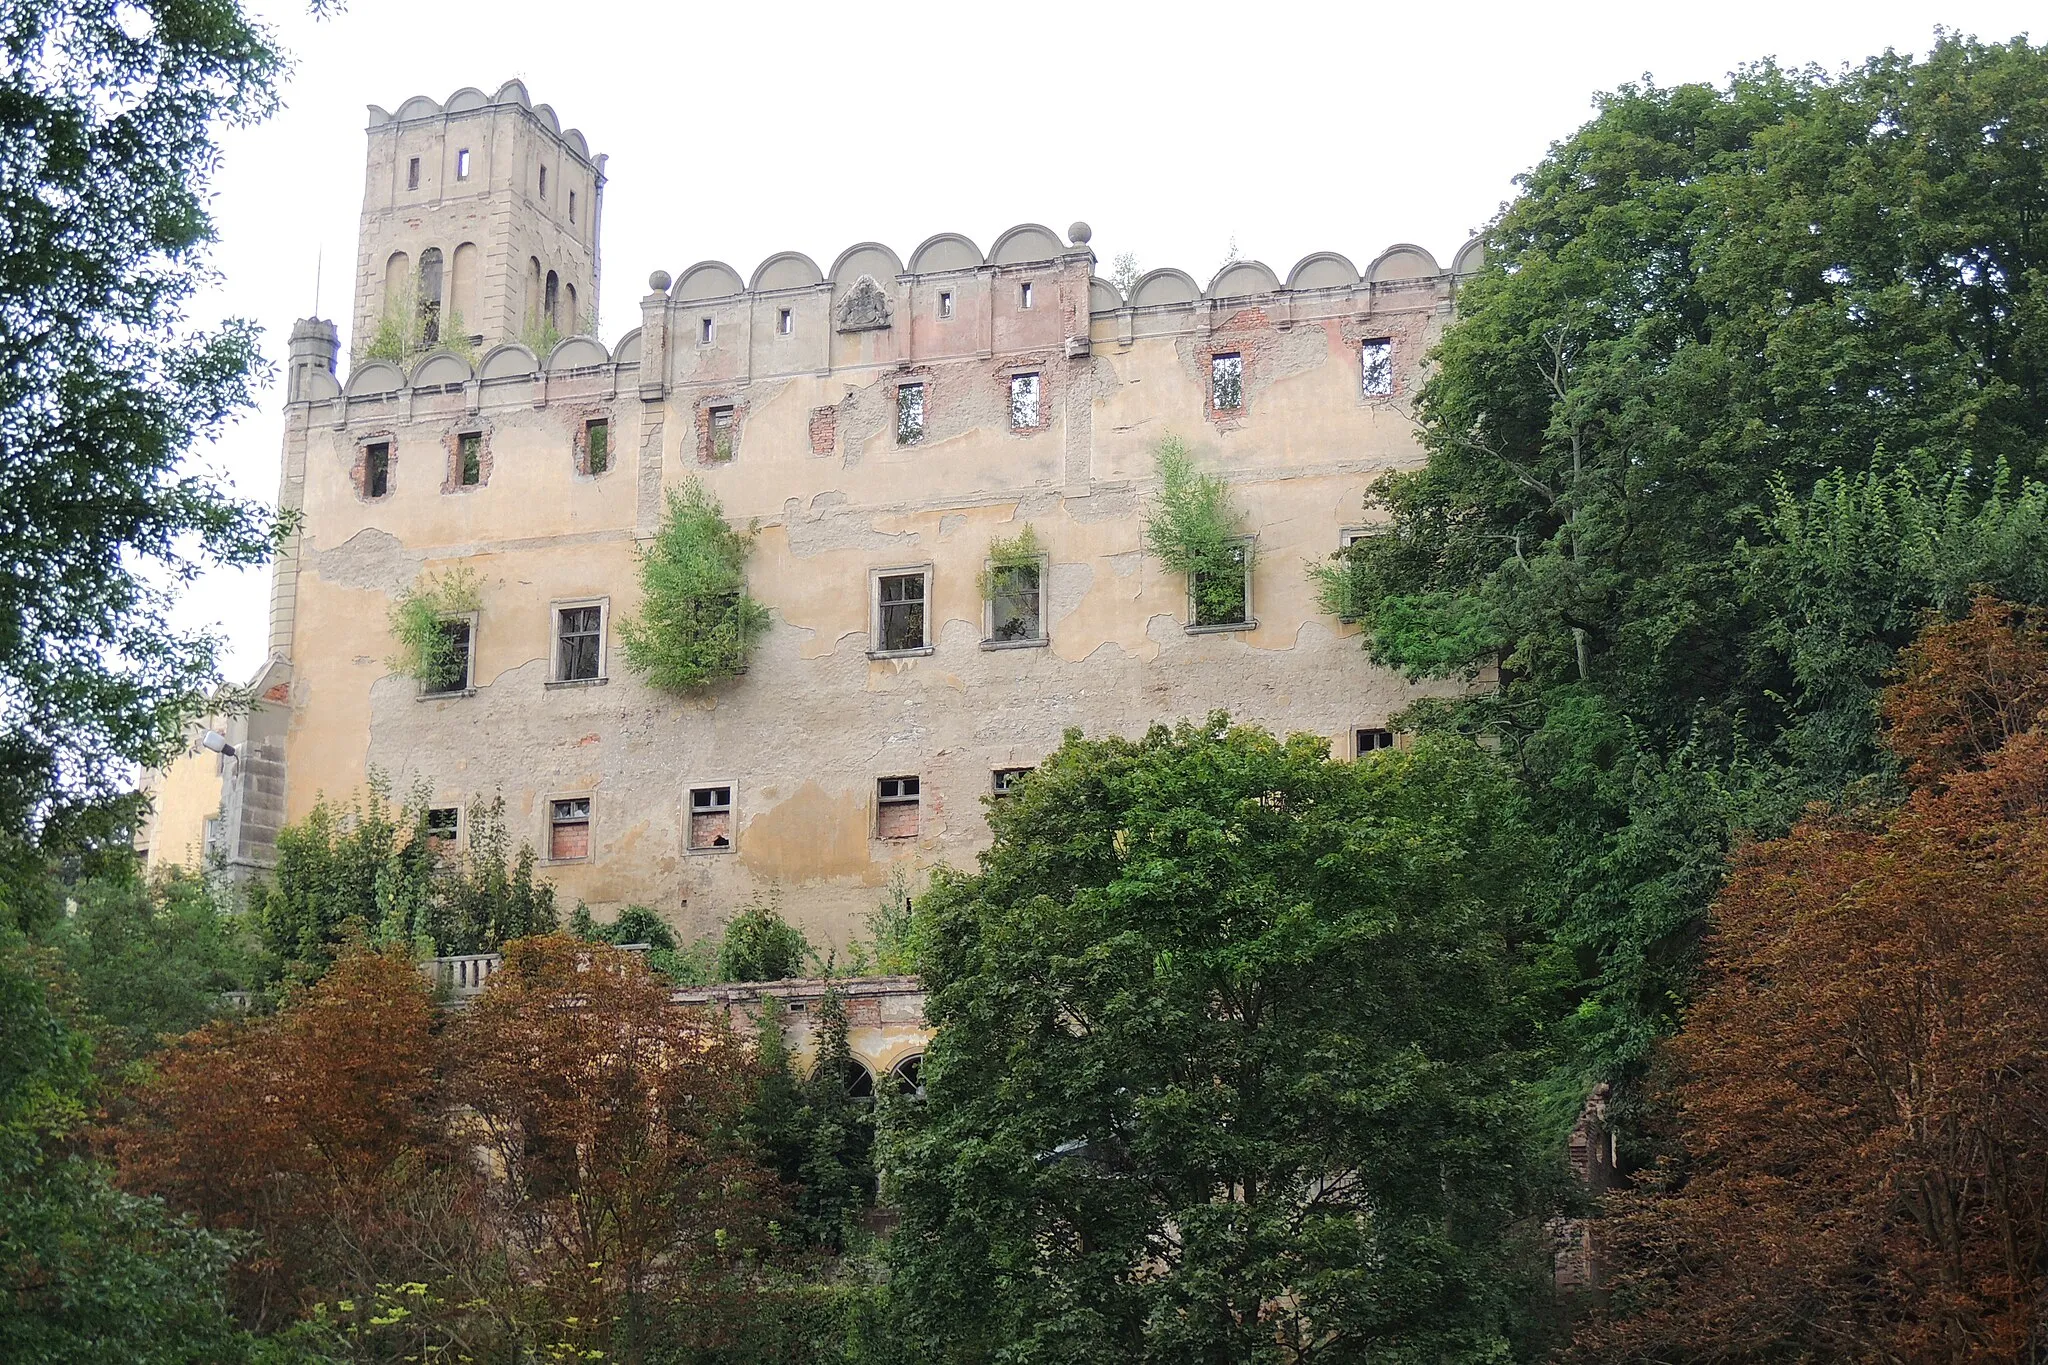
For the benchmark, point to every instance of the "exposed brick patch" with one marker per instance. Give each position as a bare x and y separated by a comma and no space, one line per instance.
824,430
452,443
709,441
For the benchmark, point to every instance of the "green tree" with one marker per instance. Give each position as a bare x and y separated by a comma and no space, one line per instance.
87,1272
760,945
697,625
1709,306
112,115
1229,1062
837,1173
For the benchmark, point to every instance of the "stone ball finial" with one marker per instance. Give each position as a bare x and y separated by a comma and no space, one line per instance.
659,281
1079,233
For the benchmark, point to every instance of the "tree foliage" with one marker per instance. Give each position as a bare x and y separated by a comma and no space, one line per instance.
111,116
1193,528
760,945
1858,1107
419,621
697,625
1229,1063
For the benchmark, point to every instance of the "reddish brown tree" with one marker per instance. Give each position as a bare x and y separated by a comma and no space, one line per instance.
316,1128
610,1116
1859,1097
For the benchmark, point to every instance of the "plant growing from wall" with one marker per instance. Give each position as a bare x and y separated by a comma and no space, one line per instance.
1021,551
427,649
1193,528
696,625
541,337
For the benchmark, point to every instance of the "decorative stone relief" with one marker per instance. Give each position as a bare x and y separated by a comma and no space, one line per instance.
865,307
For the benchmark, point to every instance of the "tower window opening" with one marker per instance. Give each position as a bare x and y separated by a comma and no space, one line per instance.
429,301
551,300
1024,295
704,331
543,182
412,174
377,469
572,206
785,322
946,304
462,164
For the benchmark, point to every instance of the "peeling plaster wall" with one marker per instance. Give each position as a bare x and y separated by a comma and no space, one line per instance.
804,735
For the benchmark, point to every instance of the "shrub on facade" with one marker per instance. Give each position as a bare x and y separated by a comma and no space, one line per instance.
1193,528
1021,551
420,619
697,625
760,945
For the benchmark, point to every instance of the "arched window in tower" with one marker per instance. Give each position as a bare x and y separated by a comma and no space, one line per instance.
462,313
430,295
532,292
397,287
551,300
574,325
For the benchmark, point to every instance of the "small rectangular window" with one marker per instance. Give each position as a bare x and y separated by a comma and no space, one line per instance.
1023,401
543,182
377,469
462,164
578,637
1376,367
909,414
704,331
452,673
945,304
444,823
572,206
785,322
1024,295
710,819
597,443
1222,596
1226,381
470,447
1371,740
1004,780
1016,603
721,434
896,803
412,174
899,607
569,829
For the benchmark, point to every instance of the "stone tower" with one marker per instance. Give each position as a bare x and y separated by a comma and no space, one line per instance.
480,219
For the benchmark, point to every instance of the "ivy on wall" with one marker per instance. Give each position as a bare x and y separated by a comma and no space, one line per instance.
420,624
697,625
1193,528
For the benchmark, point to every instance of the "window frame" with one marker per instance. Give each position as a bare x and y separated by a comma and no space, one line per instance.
785,322
543,179
604,617
412,173
452,835
369,447
1216,359
731,809
875,577
550,821
1359,732
1043,563
462,163
1249,544
914,799
1025,299
1366,392
468,688
707,331
728,415
945,305
572,206
1348,536
903,390
591,469
1037,378
463,446
1001,790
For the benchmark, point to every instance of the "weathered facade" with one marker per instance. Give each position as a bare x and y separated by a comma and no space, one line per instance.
883,420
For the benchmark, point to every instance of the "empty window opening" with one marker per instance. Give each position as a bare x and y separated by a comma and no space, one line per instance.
860,1082
551,301
543,182
908,1075
1223,596
900,599
1023,401
444,823
704,331
430,295
412,174
462,163
597,444
785,322
1372,739
1004,780
1226,381
1024,295
579,633
721,434
945,304
1016,602
909,414
454,660
896,803
710,819
1376,367
377,469
469,447
572,206
569,829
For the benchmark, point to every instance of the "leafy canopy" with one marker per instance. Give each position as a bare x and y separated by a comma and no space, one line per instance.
697,625
1229,1061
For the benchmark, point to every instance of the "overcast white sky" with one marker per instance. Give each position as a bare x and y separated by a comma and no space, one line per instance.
737,130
